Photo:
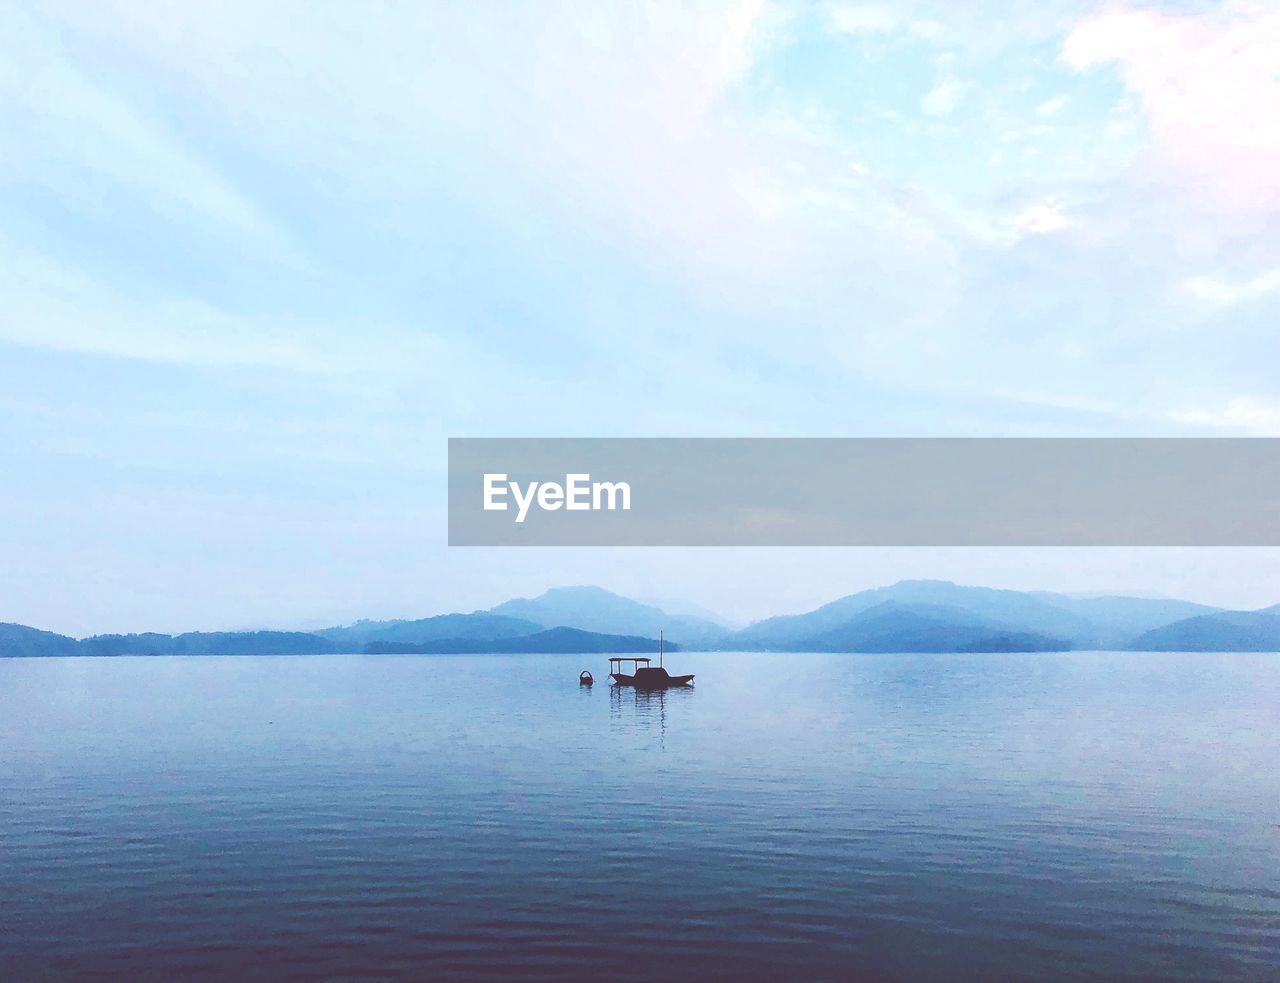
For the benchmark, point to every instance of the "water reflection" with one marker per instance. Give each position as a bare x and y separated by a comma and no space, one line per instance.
647,707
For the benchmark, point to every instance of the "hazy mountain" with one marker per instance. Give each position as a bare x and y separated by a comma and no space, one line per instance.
250,643
1013,610
19,640
893,627
914,615
597,610
1094,622
190,643
681,608
1117,620
479,625
562,640
1228,631
147,643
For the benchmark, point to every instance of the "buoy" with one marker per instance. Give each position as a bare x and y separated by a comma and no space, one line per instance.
584,678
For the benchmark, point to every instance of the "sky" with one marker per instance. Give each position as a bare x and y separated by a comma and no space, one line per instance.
259,261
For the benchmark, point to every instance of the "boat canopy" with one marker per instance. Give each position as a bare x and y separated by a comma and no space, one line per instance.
628,658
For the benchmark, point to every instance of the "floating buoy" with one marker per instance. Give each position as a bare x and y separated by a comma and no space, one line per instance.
584,678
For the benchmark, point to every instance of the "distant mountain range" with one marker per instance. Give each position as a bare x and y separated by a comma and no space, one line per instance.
479,626
595,609
1226,631
19,640
910,616
1050,621
563,640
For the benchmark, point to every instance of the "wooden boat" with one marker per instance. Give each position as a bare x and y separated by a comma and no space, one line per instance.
645,676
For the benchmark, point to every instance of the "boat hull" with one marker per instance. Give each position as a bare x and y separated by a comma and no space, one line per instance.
653,682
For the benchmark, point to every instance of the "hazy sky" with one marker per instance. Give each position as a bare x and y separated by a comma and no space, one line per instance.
258,260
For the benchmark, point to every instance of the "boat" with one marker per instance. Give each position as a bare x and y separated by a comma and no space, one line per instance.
645,676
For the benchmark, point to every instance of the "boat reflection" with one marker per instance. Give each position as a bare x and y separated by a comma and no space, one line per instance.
647,700
641,709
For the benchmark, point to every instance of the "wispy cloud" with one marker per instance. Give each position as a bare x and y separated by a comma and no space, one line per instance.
78,135
1051,107
863,18
943,98
1042,218
1255,417
1223,292
51,305
1210,87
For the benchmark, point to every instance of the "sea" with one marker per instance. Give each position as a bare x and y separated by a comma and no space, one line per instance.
791,816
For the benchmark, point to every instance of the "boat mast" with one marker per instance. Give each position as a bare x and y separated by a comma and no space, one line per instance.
659,648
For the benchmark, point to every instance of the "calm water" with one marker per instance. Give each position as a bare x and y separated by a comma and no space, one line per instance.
806,817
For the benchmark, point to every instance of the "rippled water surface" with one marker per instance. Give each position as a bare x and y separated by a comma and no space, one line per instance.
799,816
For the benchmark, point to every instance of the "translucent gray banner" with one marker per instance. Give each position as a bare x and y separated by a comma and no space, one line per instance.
864,492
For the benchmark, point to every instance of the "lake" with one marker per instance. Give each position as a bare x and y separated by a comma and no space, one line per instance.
951,817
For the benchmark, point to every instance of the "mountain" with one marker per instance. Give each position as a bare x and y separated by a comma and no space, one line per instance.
19,640
250,643
1012,610
147,643
207,643
893,627
910,616
1096,622
1117,620
478,625
1228,631
559,640
597,610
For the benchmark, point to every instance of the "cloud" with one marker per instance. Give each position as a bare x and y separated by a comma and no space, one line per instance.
1221,292
874,19
1051,107
1251,416
1042,218
53,306
864,19
1209,84
943,98
611,153
78,134
929,30
617,109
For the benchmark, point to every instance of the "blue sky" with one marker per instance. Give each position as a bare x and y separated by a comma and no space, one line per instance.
260,260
